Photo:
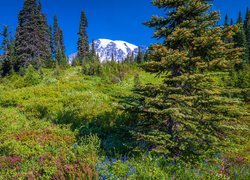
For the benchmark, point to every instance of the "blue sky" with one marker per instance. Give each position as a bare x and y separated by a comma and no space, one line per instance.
111,19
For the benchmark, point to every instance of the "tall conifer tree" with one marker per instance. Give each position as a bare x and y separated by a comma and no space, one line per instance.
83,44
231,22
59,46
139,57
6,64
93,53
240,39
182,117
247,32
32,37
226,21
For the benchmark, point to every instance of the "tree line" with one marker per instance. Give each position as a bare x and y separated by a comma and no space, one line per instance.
242,37
40,45
36,43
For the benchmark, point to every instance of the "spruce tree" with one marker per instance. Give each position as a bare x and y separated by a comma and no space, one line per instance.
225,26
5,58
183,117
231,22
132,58
247,32
240,39
226,21
50,62
82,44
32,37
139,57
93,53
59,46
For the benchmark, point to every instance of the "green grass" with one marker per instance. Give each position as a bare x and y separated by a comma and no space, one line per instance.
63,124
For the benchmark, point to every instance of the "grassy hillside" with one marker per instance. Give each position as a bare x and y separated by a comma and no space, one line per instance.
62,124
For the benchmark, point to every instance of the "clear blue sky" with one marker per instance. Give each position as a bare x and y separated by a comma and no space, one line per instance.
112,19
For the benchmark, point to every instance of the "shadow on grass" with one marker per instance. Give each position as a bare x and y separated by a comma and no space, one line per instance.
110,127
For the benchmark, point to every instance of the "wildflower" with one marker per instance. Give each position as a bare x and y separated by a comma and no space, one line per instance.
107,159
113,160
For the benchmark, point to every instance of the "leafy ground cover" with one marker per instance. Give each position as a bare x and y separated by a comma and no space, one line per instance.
64,125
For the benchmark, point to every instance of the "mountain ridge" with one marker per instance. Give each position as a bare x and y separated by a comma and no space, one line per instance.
106,48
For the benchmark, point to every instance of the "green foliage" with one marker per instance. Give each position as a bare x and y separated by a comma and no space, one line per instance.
36,50
59,46
83,43
31,148
247,31
64,127
91,67
187,115
153,167
241,80
6,60
31,77
240,40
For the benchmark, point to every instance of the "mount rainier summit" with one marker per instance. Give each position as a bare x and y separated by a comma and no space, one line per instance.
106,47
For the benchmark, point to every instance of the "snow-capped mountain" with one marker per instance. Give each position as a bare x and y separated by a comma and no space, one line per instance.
105,48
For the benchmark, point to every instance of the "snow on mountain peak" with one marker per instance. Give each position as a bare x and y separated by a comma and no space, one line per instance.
105,48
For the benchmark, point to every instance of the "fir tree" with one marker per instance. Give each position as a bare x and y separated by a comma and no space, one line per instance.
50,61
240,39
231,22
247,32
226,39
59,45
83,45
183,116
139,57
44,36
226,21
32,37
132,58
5,41
5,47
93,53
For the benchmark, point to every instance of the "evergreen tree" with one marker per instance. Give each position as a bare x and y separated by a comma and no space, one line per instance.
240,39
50,61
183,116
83,45
231,22
132,58
226,39
59,46
139,58
32,37
5,58
247,32
52,45
226,21
44,36
93,53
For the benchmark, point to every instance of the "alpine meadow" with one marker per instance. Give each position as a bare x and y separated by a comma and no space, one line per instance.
175,108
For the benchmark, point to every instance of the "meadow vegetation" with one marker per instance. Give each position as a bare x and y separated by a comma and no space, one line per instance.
179,111
63,124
